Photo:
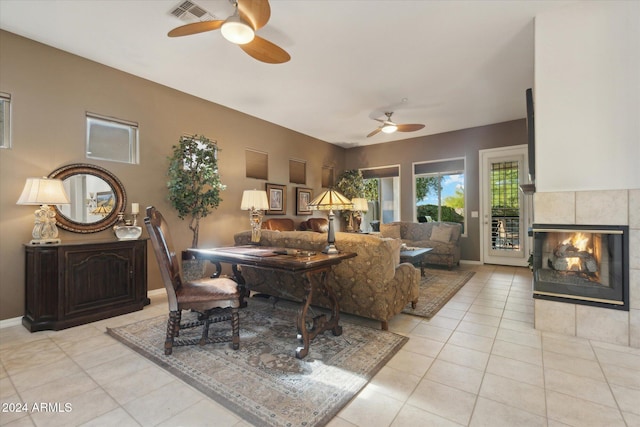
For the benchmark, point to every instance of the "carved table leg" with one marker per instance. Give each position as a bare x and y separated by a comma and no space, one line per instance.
218,271
301,321
242,285
313,281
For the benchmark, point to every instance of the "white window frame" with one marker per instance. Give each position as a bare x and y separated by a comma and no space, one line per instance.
443,172
133,151
5,136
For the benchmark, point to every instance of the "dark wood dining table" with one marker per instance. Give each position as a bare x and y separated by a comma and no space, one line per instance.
312,266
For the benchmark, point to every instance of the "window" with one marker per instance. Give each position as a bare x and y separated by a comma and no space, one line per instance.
327,177
386,181
5,120
112,139
439,191
505,205
256,164
297,171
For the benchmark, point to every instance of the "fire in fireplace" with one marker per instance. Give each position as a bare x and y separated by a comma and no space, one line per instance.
582,264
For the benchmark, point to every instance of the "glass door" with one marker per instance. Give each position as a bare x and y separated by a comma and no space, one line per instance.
503,206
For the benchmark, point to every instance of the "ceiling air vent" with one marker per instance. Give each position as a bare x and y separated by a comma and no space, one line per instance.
189,11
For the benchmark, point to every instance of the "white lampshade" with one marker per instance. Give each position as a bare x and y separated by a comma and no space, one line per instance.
236,30
254,200
330,200
360,204
43,191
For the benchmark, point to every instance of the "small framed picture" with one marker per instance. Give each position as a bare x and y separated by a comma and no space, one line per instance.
277,195
105,198
303,197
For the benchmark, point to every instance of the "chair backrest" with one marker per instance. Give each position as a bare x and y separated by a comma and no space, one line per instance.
163,247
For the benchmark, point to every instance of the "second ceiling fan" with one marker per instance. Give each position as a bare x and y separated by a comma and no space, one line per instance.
388,126
240,28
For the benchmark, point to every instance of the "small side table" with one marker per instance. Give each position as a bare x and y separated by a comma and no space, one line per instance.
414,256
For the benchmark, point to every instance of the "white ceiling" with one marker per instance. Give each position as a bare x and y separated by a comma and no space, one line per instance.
447,64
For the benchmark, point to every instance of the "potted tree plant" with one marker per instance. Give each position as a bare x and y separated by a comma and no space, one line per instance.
351,184
194,182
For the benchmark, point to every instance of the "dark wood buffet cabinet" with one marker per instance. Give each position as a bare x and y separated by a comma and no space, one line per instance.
73,283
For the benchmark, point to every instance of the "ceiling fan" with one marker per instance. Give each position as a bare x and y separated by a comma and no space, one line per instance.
389,126
240,28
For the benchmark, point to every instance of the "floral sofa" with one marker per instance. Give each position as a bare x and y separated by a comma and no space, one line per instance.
443,237
373,284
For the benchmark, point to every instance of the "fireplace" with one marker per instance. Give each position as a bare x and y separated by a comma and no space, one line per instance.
582,264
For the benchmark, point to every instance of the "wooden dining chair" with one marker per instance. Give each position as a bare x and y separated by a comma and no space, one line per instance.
214,299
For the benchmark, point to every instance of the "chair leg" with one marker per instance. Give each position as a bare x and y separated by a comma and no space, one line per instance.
176,326
205,329
235,329
173,324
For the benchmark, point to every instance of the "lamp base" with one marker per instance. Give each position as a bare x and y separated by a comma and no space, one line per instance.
45,242
255,219
330,250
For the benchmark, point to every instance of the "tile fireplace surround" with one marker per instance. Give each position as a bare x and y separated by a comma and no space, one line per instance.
616,207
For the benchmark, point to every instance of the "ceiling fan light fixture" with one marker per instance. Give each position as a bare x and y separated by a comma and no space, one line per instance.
237,31
389,128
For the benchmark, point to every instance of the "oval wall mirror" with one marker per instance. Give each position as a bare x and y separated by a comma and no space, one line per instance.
97,196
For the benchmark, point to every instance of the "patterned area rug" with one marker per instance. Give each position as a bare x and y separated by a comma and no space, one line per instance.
263,382
436,288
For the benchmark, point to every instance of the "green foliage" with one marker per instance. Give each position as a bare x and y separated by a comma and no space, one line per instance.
455,201
448,213
194,183
371,189
426,184
504,187
351,183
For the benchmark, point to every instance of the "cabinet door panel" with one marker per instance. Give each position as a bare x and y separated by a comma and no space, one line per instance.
98,278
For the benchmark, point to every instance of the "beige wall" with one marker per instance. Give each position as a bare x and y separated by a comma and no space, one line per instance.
463,143
51,91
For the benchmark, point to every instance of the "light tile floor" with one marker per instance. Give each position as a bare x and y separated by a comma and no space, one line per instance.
478,362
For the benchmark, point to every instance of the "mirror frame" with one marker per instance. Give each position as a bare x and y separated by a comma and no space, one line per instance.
118,190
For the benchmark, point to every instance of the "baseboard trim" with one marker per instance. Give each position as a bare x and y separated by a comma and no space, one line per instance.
15,321
471,262
155,292
8,323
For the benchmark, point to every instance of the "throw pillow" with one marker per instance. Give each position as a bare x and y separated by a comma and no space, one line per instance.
441,234
391,231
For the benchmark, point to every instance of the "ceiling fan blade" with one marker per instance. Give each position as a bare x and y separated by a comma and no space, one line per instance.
374,132
265,51
195,28
409,128
255,12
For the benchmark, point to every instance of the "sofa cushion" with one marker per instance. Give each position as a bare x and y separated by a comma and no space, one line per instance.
441,233
391,230
415,230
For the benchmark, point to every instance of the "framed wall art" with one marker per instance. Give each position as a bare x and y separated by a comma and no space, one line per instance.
277,195
303,197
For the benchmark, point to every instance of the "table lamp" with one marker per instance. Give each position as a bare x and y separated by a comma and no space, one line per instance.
255,201
101,210
44,192
360,205
328,201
